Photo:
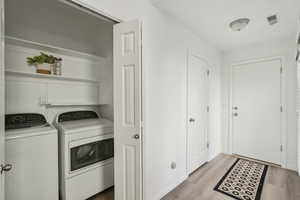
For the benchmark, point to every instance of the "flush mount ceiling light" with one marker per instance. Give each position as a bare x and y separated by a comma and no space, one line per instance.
239,24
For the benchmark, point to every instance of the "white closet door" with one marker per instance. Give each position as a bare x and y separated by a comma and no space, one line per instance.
2,100
127,111
198,101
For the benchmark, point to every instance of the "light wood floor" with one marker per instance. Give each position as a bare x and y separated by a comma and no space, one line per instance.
105,195
280,184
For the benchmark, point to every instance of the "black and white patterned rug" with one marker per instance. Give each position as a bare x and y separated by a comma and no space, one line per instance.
244,180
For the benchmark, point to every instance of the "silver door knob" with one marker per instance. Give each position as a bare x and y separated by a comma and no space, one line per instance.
5,168
136,136
235,114
192,120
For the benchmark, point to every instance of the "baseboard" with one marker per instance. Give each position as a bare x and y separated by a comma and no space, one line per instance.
169,188
292,165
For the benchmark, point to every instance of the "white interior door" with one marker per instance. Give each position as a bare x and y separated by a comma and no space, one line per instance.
256,110
198,101
2,99
127,111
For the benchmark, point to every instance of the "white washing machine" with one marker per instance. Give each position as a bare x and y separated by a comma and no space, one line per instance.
86,154
32,149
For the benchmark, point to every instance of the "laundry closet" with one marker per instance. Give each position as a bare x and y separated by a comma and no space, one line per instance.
83,41
77,89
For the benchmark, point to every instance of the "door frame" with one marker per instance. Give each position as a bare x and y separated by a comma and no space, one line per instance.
79,4
283,117
192,52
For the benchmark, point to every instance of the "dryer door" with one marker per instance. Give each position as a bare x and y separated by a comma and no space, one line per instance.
91,153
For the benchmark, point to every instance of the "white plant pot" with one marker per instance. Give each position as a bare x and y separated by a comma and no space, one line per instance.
44,68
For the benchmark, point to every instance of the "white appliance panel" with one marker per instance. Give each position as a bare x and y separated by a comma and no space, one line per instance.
35,167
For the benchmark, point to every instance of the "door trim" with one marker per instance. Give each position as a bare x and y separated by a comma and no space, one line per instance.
79,4
283,129
191,52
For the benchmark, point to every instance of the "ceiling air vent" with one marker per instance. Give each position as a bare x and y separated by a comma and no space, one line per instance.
273,19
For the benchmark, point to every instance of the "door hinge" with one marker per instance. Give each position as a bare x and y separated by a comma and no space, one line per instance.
281,70
207,145
281,148
281,109
207,72
207,108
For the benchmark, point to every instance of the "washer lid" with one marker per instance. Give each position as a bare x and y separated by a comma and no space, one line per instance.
29,132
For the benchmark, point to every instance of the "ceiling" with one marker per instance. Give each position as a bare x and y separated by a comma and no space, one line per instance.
211,18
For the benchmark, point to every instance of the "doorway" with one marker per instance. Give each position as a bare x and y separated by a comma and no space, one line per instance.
198,112
256,110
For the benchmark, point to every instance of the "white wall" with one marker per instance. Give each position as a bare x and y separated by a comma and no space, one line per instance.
165,44
165,110
283,48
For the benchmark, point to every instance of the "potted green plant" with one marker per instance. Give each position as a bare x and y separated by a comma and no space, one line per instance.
43,62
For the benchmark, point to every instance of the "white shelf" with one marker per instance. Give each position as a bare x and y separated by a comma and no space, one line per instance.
72,104
54,77
23,42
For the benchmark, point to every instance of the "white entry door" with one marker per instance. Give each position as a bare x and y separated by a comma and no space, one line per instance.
2,100
198,101
127,111
256,110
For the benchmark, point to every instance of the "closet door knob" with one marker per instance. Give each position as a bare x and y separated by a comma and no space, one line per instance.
136,136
